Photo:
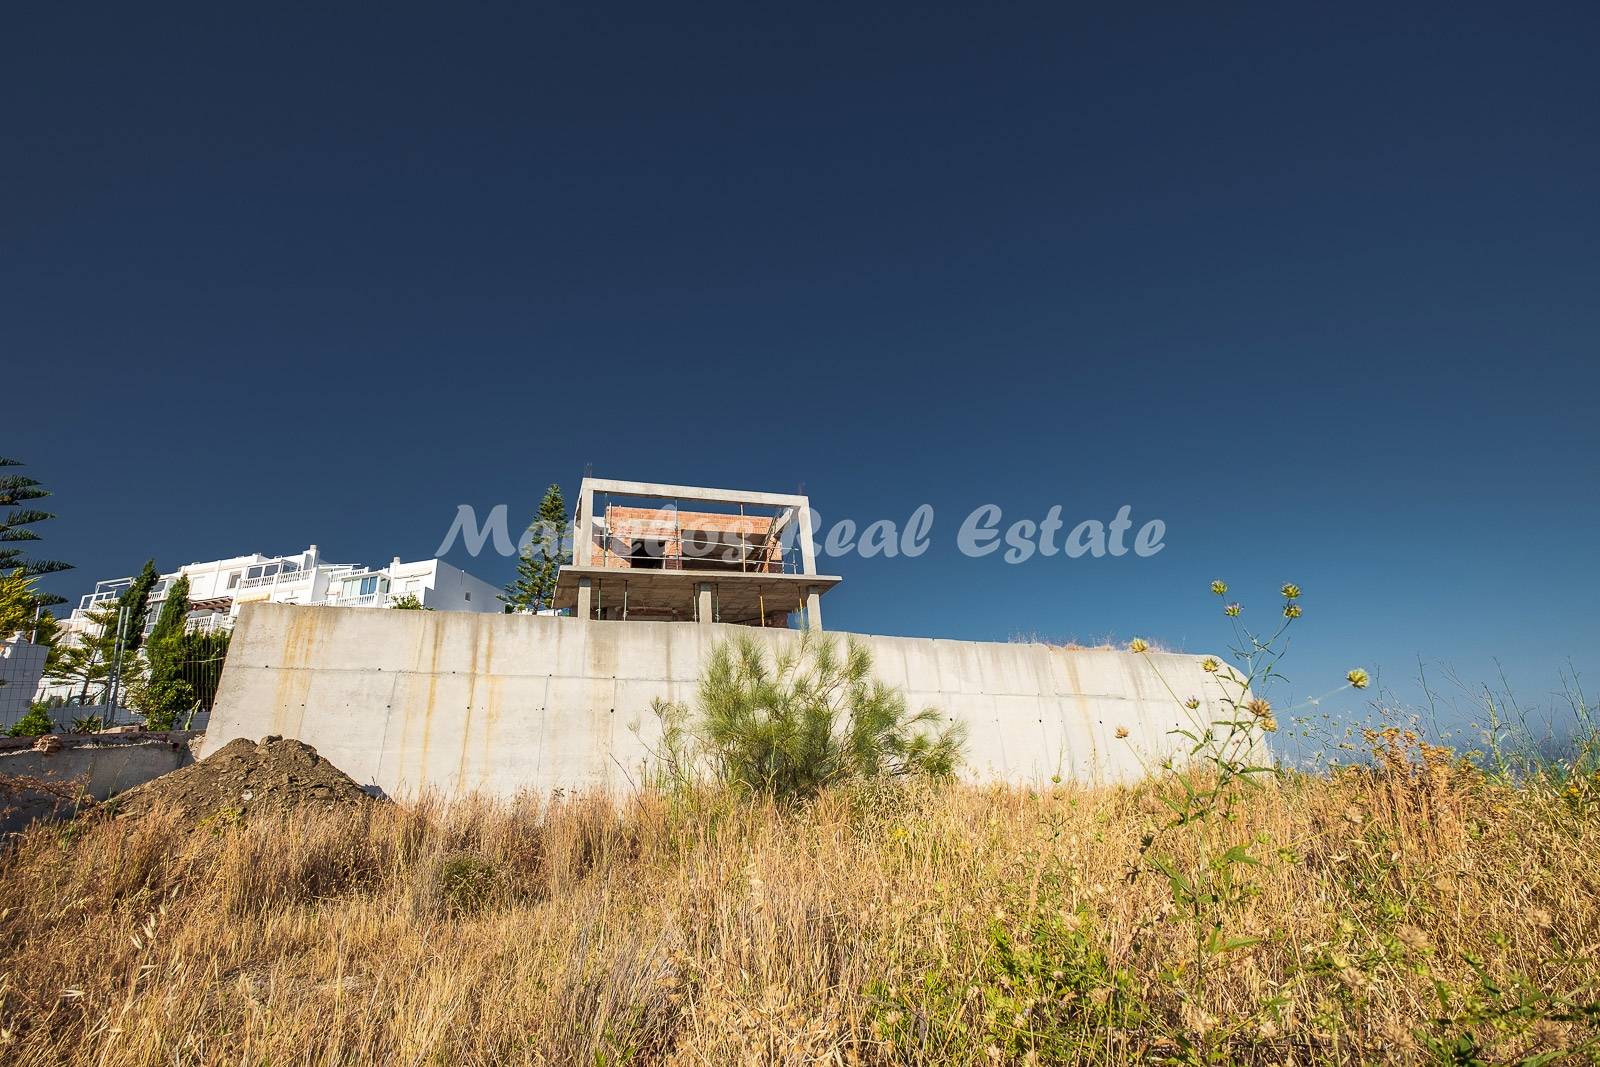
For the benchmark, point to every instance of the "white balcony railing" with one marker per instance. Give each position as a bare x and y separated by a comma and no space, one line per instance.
280,579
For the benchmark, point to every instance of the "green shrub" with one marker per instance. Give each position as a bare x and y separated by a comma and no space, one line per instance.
162,701
465,883
792,722
34,724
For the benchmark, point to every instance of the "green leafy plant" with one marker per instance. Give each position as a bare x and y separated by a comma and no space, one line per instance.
1474,1022
407,602
33,724
794,721
465,883
162,701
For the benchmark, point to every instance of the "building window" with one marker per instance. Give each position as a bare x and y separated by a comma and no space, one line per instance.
469,596
233,580
369,585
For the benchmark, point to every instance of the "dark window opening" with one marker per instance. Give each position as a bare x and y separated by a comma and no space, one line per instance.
646,553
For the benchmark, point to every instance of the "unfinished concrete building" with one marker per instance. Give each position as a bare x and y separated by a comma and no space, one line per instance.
750,562
421,703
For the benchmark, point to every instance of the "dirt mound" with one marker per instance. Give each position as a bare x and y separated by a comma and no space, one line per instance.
243,777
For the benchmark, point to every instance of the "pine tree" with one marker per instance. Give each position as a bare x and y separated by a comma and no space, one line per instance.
136,598
15,490
86,662
539,564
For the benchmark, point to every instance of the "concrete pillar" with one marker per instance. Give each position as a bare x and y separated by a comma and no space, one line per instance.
813,608
705,613
583,537
585,599
808,551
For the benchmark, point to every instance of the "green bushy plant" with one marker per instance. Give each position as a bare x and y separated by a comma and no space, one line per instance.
791,722
34,724
465,883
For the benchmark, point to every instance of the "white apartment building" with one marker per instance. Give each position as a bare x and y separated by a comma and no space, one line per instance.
219,588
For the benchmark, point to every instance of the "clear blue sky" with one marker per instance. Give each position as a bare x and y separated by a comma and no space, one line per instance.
1318,286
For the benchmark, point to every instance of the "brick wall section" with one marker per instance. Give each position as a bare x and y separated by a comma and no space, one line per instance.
671,528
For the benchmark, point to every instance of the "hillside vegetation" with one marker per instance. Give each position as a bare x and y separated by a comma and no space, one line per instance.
803,881
1416,909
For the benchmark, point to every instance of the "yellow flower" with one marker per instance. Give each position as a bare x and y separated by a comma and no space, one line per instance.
1138,644
1357,678
1291,611
1259,708
1232,611
1122,731
1269,724
1210,665
1219,587
1193,703
1290,590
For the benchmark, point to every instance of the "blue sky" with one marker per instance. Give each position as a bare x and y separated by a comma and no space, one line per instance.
1315,286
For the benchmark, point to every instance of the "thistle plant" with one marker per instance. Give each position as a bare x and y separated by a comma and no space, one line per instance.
1221,758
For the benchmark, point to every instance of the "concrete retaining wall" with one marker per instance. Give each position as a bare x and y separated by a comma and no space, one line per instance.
414,700
101,766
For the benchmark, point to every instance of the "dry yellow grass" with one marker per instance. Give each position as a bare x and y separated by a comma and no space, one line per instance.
933,924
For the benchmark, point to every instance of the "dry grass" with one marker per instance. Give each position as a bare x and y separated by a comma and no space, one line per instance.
936,924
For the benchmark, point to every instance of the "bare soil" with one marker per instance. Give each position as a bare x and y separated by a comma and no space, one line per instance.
245,777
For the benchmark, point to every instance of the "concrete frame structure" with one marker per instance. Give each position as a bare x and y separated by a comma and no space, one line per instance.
706,566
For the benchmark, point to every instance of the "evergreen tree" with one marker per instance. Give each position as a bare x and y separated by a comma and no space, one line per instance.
539,564
165,693
201,657
174,611
17,601
17,490
86,662
182,676
137,600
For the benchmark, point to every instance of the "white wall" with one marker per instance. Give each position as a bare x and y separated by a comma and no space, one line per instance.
454,589
21,665
413,701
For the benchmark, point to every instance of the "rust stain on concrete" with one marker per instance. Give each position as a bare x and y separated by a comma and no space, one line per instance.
1085,715
481,655
292,684
434,634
